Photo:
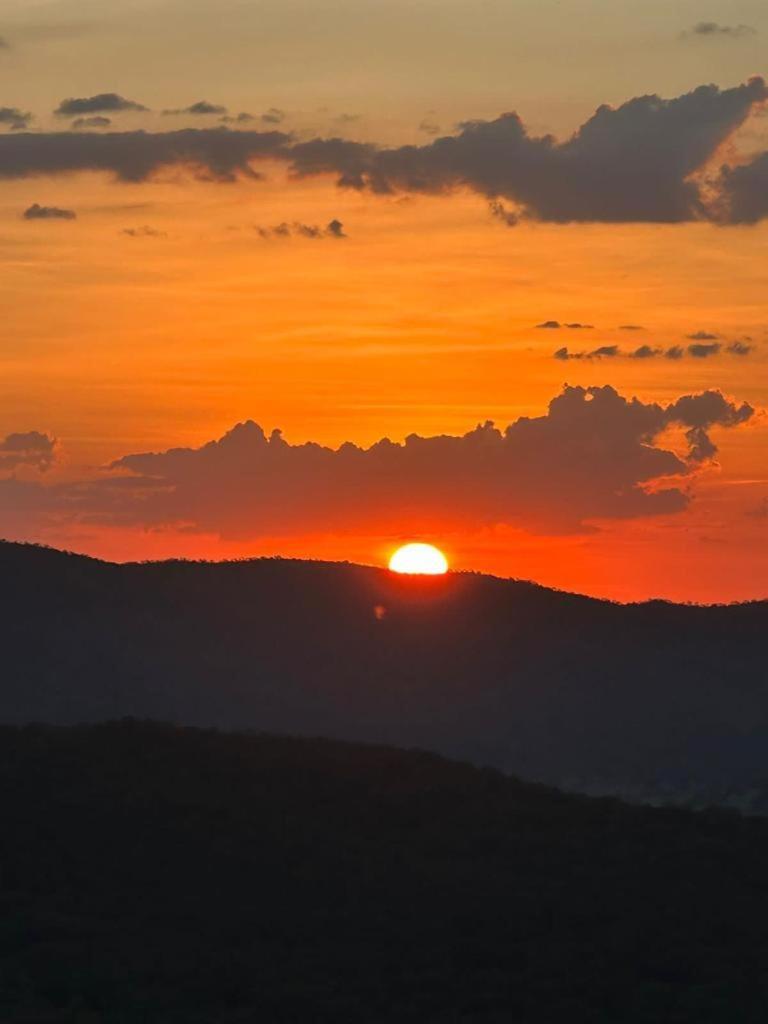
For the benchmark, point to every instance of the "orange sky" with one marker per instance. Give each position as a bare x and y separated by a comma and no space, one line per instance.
422,320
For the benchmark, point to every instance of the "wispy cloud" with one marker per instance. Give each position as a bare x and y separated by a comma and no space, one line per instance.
103,103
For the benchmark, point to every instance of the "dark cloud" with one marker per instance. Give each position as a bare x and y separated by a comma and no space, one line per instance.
702,336
697,350
143,232
135,156
630,163
645,352
631,327
32,449
635,162
242,118
38,212
295,229
713,28
17,120
335,229
273,116
742,192
97,121
103,103
739,348
202,109
701,350
555,325
602,352
500,212
592,455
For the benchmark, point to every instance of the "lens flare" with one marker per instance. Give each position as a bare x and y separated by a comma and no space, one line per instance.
421,559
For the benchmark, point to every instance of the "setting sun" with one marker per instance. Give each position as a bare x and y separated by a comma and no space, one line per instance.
423,559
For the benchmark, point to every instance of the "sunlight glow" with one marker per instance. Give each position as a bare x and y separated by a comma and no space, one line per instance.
423,559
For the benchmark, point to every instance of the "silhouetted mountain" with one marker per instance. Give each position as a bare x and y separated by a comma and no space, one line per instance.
649,700
172,876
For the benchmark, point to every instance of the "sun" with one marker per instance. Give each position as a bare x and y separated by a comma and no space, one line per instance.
422,559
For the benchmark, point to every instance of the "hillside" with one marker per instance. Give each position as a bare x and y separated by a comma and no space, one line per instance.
173,876
650,700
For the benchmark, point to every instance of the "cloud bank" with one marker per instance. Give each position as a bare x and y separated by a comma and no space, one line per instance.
644,161
592,455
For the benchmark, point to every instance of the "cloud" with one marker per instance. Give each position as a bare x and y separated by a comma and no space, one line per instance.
4,44
554,325
630,163
645,352
698,350
742,192
592,455
242,118
631,327
273,116
97,121
135,156
500,212
429,127
703,351
702,336
635,162
38,212
713,28
17,120
32,449
143,232
103,103
603,352
202,109
739,348
333,229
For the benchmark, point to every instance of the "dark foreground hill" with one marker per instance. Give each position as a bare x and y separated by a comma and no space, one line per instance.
650,699
173,876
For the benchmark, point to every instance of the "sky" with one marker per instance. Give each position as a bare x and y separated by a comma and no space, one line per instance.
318,278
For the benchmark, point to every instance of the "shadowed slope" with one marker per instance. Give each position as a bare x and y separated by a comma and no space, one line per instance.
164,875
644,698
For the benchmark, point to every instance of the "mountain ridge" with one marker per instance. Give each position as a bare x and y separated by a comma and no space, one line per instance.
654,699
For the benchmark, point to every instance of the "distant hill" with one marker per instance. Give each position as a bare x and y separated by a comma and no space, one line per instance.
172,876
651,700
